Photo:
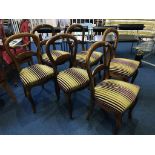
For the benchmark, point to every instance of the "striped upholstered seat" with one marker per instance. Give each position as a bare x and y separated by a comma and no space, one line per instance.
35,74
95,57
123,67
72,79
57,55
115,94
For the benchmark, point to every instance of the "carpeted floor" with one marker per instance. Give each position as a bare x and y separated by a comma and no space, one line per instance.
52,116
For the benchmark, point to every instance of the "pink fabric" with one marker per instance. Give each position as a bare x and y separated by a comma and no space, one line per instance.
24,27
7,58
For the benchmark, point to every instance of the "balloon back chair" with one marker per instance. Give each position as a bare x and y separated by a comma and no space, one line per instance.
113,96
120,68
59,56
95,58
34,75
74,79
44,32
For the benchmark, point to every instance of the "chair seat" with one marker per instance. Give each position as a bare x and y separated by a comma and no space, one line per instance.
73,79
115,94
95,57
36,74
124,67
58,56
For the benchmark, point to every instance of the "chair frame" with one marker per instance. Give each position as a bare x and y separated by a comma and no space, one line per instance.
88,68
72,60
27,89
43,42
38,27
94,101
70,30
72,52
115,44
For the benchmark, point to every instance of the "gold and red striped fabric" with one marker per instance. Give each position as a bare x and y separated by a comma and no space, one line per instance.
118,95
35,74
81,57
72,79
57,56
123,67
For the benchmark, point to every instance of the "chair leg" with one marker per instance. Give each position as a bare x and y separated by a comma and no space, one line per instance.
91,108
57,89
131,109
69,104
118,122
29,96
134,76
8,89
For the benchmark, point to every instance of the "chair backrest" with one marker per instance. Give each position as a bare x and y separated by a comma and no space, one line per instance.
23,55
77,28
107,54
102,67
70,39
43,29
111,35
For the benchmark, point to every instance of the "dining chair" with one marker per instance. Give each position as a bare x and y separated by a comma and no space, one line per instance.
75,79
96,57
35,74
120,68
59,56
113,96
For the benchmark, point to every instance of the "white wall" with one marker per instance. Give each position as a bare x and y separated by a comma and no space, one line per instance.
54,22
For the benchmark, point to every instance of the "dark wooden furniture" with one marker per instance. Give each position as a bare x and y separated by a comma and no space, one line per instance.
81,38
113,96
75,79
64,55
77,29
34,75
72,43
59,56
81,56
120,68
43,29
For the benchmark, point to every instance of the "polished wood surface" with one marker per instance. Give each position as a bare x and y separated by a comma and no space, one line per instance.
37,54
